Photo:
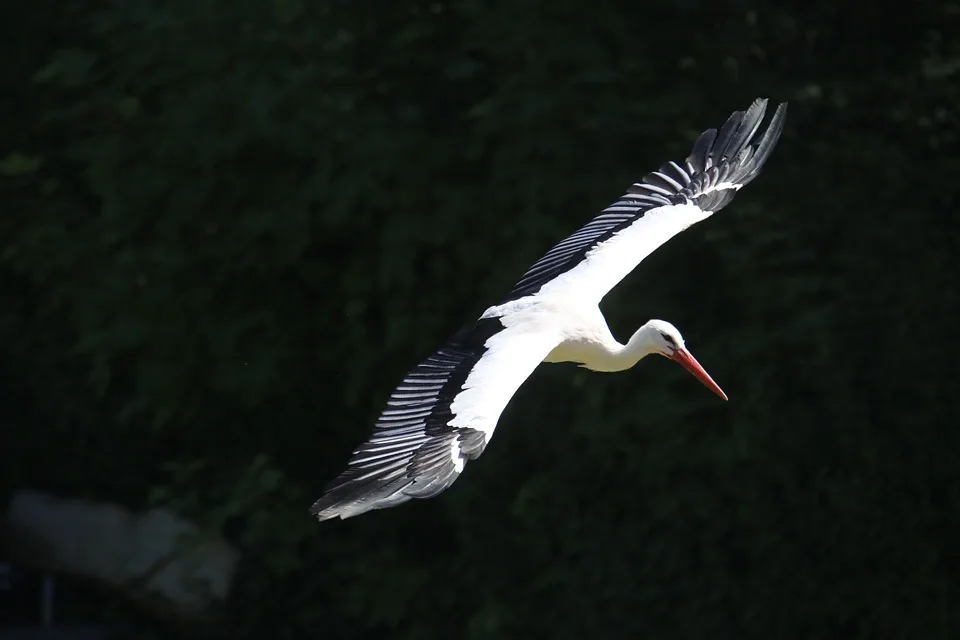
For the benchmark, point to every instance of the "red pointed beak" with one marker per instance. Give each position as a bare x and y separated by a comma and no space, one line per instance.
690,363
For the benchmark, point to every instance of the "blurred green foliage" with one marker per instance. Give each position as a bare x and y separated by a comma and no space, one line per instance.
228,228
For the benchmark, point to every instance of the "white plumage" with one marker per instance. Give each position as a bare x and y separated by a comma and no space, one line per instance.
446,409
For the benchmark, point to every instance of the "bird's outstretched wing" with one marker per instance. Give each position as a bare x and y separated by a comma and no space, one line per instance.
589,263
442,415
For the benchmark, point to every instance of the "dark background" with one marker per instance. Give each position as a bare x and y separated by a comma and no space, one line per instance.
228,227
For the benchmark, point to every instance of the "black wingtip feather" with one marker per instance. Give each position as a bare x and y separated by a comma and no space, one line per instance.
746,126
352,497
697,160
723,147
712,148
770,137
732,146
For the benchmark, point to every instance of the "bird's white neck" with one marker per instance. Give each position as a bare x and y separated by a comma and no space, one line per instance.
612,356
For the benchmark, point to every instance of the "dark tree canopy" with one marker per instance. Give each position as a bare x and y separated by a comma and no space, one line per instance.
229,228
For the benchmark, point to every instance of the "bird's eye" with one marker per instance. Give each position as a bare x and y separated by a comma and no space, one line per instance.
669,339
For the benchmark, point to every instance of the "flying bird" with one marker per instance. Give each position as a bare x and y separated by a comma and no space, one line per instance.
446,409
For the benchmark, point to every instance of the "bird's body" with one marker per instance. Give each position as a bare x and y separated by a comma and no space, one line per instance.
446,409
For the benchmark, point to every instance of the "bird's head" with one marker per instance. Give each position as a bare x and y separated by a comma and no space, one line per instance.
666,340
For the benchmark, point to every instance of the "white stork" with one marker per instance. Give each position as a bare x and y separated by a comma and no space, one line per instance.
446,409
